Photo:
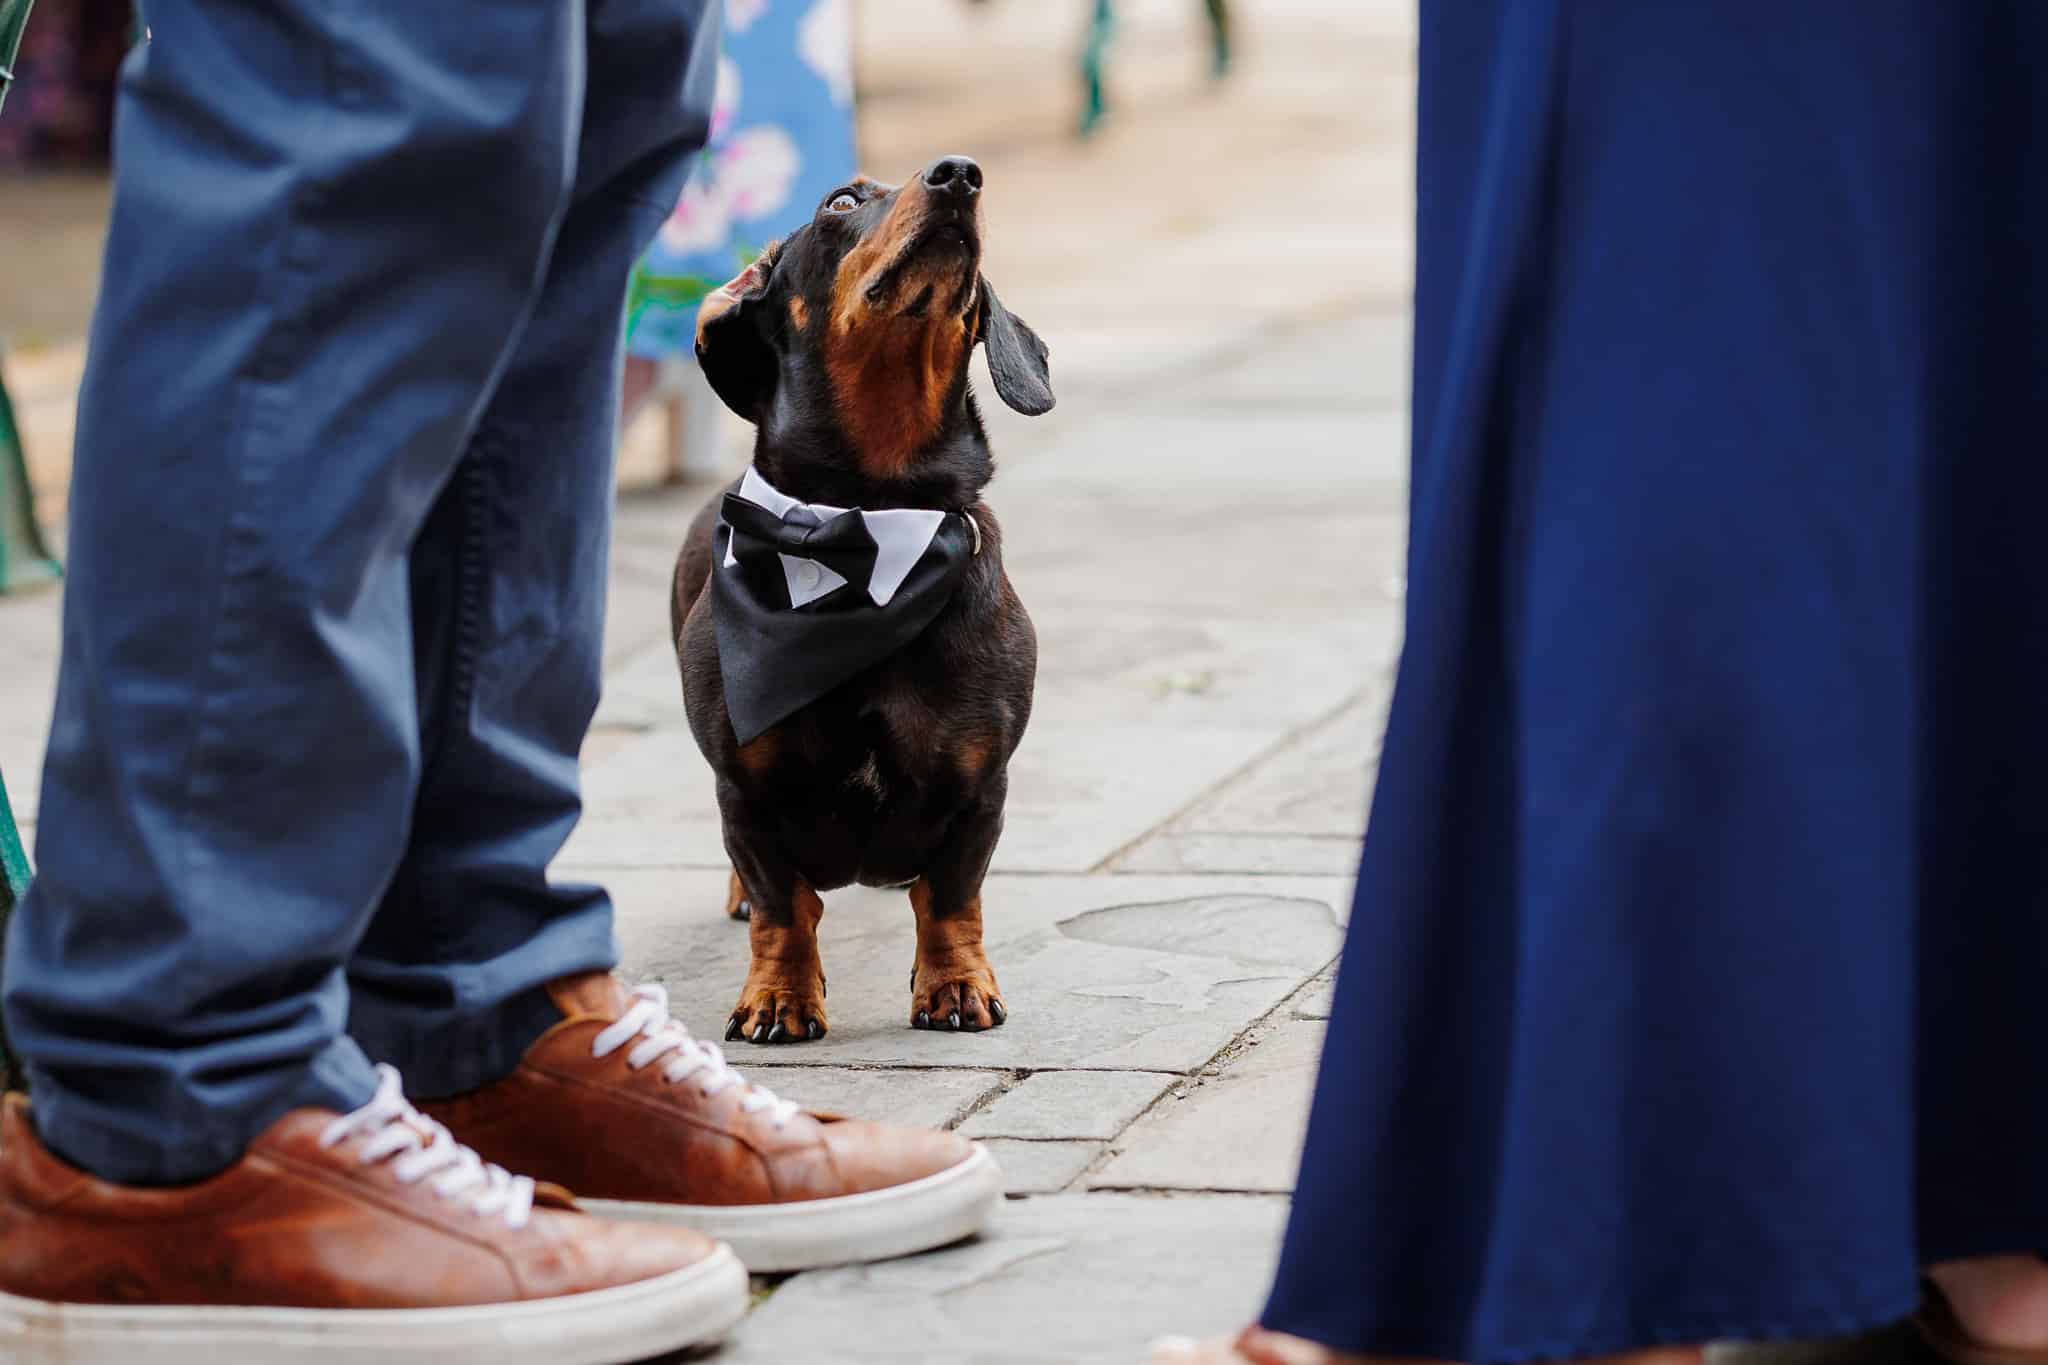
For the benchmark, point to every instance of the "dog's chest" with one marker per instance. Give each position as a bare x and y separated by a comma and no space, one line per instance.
868,779
866,770
864,817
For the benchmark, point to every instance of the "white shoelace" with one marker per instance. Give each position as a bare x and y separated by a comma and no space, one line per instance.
425,1148
661,1034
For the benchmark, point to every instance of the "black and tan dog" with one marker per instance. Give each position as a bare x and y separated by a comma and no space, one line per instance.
848,347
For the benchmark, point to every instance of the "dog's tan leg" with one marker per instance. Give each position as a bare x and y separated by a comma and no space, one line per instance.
784,998
952,986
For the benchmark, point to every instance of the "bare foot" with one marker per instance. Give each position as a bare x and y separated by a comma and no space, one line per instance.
1257,1346
2001,1301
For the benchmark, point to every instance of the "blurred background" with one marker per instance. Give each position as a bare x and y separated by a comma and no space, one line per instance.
1200,212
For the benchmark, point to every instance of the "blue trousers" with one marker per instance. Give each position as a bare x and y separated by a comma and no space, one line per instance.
340,522
1695,986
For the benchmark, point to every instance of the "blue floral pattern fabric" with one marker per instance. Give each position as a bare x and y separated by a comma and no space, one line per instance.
781,138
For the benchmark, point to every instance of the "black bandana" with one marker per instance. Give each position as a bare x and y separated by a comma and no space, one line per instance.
805,597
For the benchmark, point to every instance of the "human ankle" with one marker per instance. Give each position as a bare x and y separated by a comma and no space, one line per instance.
1999,1300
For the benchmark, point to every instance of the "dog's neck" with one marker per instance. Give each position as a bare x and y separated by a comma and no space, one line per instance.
813,459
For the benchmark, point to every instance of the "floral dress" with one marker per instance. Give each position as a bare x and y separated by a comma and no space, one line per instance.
781,138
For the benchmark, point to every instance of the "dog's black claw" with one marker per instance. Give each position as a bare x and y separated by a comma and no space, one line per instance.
761,1032
953,1021
816,1030
744,910
997,1012
778,1034
732,1030
924,1020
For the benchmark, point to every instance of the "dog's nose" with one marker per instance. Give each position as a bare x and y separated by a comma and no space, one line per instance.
955,175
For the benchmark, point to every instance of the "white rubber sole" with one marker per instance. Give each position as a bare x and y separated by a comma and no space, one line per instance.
690,1307
846,1230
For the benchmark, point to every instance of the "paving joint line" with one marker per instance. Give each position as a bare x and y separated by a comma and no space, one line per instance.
1270,751
1229,1052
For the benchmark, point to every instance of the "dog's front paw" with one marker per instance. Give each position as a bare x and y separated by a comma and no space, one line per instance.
958,993
779,1005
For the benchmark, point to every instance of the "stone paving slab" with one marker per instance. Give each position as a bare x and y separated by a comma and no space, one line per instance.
1211,514
1300,808
1315,1004
650,801
652,521
1068,1104
1071,1279
636,607
1238,1130
922,1099
1122,448
643,688
1042,1167
1251,855
1360,360
1316,785
1120,974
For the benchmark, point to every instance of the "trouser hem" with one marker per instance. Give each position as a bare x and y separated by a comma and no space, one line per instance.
139,1149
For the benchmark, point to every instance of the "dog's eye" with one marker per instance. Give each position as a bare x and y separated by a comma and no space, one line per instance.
842,203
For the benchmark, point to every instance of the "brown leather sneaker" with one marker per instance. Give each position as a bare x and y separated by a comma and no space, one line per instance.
643,1121
339,1238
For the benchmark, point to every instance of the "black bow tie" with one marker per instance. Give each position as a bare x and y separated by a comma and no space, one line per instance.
776,658
842,543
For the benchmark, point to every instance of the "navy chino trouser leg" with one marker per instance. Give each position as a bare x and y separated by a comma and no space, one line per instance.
341,510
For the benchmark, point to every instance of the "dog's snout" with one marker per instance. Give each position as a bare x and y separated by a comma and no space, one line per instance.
955,175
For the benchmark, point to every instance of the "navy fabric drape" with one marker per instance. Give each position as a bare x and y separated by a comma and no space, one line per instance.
1697,985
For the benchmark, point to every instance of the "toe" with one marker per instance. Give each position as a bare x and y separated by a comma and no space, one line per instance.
974,1011
796,1023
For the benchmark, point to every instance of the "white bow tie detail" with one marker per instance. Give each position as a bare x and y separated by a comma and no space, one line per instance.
901,536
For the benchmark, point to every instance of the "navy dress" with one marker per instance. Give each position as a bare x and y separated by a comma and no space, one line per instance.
1697,985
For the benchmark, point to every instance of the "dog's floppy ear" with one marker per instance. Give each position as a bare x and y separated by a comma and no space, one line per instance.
1017,360
736,358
